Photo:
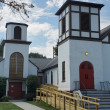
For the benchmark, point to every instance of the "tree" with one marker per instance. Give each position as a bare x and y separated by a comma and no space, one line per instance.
55,50
36,55
17,7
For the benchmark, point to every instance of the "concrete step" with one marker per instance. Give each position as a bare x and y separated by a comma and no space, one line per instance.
104,97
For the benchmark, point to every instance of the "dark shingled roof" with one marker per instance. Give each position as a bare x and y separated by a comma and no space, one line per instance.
104,32
40,62
53,63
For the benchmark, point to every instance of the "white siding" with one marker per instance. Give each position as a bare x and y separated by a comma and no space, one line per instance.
75,20
106,61
63,55
77,56
94,23
32,69
105,39
11,48
55,77
10,32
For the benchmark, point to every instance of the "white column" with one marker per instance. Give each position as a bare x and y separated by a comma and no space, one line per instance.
7,87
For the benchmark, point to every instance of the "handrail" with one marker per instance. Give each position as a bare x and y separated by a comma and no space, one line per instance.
68,93
46,94
104,84
82,84
64,93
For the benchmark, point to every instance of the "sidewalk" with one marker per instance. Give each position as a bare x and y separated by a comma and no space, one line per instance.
24,105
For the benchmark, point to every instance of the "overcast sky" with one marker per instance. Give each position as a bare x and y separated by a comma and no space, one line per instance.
43,24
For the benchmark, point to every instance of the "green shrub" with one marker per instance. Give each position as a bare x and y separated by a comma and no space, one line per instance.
32,84
5,99
2,86
30,96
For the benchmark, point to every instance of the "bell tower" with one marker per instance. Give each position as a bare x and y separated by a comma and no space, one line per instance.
79,39
16,47
79,20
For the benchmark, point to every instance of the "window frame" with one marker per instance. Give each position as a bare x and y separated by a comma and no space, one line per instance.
17,33
63,25
63,71
84,25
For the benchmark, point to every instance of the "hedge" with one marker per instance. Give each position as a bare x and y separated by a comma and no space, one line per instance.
2,86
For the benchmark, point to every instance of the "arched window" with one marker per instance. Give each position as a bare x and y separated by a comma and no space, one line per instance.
17,33
16,66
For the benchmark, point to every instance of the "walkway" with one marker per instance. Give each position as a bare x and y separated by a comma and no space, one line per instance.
24,105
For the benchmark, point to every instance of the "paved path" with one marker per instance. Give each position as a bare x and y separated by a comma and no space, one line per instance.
24,105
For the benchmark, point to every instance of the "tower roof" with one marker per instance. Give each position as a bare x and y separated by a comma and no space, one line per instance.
73,2
15,24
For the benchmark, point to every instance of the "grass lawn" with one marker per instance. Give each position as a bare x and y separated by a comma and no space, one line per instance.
8,106
42,105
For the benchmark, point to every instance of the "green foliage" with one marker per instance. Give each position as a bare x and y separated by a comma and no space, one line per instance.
32,84
1,50
30,96
55,50
36,55
5,99
2,86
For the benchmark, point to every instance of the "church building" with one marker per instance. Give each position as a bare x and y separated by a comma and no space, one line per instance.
83,52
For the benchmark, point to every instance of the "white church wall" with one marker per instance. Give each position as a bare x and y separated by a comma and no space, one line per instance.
77,56
105,39
106,61
55,76
21,48
63,55
10,32
32,69
2,68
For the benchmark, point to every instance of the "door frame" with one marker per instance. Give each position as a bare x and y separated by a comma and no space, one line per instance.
91,86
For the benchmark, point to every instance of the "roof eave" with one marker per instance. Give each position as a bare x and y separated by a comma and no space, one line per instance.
78,3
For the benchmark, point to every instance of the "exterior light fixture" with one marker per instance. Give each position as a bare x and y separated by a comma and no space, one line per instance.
86,53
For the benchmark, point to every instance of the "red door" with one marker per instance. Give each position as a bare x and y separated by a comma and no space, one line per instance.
86,76
15,90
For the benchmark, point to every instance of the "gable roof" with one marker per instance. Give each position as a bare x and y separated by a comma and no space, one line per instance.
53,63
40,62
104,32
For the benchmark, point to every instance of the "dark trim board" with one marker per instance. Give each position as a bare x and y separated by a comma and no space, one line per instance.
78,3
79,38
16,24
15,42
50,67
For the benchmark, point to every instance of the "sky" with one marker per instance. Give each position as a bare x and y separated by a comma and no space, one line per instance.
43,23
